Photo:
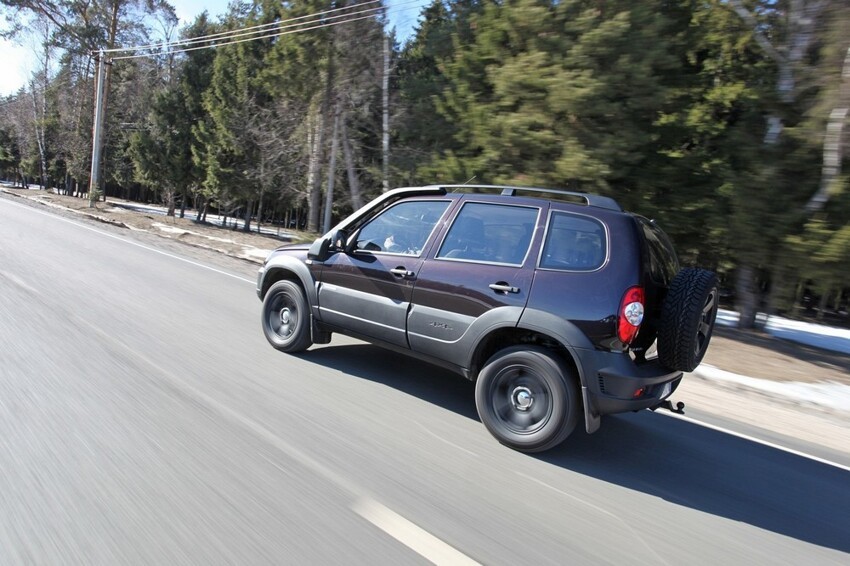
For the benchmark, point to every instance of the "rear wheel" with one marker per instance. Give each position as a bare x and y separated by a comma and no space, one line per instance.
687,319
286,319
527,398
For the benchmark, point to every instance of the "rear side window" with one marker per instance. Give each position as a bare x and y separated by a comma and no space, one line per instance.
573,243
663,263
491,233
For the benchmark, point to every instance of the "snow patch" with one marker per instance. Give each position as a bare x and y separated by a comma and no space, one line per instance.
258,253
818,335
169,229
831,395
808,333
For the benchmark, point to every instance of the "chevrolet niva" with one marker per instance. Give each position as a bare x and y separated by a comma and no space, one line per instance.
559,305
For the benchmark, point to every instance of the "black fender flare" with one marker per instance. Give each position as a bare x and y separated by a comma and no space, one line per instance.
565,332
284,264
571,338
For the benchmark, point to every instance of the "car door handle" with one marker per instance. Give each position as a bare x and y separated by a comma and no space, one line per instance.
402,272
502,287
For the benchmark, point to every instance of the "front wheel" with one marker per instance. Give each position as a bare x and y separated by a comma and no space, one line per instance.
527,398
286,318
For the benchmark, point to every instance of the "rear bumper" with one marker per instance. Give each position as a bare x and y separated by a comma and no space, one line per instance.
614,383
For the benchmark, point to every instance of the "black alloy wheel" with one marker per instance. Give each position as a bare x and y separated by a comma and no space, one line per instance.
527,398
285,317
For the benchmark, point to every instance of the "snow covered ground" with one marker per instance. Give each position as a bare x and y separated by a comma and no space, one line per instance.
810,334
830,396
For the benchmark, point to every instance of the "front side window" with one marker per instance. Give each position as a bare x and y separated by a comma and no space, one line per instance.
490,233
401,229
573,243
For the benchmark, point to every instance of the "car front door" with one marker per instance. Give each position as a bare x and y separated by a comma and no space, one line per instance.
479,277
367,291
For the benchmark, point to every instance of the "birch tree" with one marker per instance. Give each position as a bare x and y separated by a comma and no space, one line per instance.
787,33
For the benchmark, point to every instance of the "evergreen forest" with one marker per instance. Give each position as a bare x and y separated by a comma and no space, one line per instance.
726,121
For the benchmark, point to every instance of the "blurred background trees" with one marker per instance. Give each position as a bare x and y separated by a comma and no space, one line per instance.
725,120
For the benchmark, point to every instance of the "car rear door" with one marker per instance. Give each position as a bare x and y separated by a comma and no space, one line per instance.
478,277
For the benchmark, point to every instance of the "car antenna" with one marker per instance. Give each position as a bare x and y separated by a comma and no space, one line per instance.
470,179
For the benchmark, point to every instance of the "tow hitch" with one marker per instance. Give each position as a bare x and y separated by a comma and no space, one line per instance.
679,409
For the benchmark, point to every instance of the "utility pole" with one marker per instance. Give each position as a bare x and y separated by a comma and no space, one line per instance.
97,131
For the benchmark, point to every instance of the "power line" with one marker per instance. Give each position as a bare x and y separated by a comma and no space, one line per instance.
214,45
245,31
253,32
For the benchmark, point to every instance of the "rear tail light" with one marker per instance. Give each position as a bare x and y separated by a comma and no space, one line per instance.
631,314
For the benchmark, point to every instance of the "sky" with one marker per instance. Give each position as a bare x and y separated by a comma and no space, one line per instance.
18,60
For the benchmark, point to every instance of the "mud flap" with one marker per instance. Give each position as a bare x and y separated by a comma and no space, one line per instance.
317,335
591,419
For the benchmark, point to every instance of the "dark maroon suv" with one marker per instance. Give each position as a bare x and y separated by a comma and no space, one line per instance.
558,304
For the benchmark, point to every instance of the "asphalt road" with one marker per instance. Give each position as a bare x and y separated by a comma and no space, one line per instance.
145,420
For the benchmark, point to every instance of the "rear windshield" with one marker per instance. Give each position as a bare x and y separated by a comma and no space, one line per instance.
573,243
663,263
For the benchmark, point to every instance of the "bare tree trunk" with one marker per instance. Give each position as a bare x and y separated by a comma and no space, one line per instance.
385,143
779,278
249,211
39,115
822,304
746,299
39,106
200,205
184,196
312,151
353,179
329,200
169,199
260,213
833,141
315,202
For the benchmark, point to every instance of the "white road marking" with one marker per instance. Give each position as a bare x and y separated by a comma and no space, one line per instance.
411,535
756,440
131,242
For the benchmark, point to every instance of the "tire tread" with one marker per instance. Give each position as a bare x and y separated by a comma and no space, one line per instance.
680,313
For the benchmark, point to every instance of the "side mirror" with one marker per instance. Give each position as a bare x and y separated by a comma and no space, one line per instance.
325,246
340,241
319,250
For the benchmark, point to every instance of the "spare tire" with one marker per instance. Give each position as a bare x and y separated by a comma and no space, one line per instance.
687,319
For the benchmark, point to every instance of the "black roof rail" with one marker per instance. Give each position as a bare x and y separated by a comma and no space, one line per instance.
598,201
